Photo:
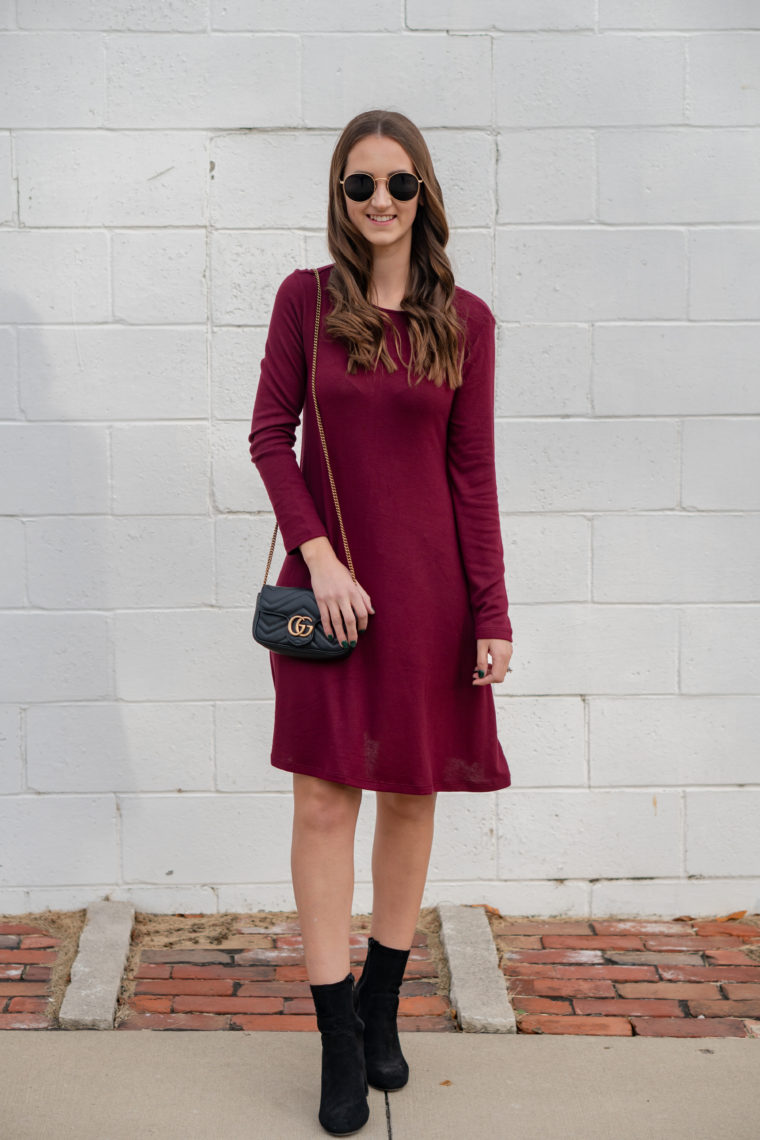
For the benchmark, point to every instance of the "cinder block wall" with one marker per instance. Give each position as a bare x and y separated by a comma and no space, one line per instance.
162,167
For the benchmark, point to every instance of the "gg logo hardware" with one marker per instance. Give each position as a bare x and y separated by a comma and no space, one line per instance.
300,625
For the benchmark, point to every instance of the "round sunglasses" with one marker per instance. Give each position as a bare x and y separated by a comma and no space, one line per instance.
402,186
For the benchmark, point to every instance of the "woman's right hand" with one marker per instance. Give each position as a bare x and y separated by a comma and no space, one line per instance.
344,605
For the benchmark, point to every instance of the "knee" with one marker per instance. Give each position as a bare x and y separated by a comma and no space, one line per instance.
323,805
407,807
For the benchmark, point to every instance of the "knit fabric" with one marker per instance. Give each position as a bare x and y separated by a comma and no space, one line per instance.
414,470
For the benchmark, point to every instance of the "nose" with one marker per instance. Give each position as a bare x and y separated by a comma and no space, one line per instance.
381,199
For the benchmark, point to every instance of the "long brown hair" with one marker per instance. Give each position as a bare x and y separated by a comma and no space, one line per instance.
435,330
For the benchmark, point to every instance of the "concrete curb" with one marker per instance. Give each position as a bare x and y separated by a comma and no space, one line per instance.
96,972
478,988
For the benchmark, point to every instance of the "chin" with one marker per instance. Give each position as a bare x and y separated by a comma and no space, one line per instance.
379,235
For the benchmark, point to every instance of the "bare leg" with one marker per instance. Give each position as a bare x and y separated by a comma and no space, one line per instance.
400,857
322,864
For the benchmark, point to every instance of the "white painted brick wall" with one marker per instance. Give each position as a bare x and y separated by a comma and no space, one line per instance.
676,369
678,175
108,747
721,835
6,182
720,463
673,740
133,178
162,168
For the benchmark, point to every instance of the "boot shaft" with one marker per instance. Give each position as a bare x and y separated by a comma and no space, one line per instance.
383,968
343,1106
335,1005
377,994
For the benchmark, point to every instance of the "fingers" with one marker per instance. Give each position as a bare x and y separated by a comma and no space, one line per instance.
347,621
499,661
337,624
324,617
330,613
491,673
345,617
349,624
480,672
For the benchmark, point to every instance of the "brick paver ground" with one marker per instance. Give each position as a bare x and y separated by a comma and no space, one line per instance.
27,957
265,987
679,978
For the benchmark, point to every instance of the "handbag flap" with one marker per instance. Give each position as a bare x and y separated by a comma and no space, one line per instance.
288,614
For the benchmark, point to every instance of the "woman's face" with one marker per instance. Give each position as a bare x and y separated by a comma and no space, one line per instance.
380,157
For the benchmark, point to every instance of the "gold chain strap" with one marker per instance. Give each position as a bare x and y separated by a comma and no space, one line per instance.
324,444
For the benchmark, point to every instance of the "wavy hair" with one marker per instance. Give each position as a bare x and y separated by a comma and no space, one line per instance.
436,333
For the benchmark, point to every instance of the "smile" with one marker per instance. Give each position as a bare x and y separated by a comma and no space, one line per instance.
381,219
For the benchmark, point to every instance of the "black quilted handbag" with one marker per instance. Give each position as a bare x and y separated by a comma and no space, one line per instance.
286,619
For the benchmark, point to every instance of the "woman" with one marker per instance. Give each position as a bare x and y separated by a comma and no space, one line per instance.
405,386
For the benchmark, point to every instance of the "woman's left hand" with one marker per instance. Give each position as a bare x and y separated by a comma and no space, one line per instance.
496,670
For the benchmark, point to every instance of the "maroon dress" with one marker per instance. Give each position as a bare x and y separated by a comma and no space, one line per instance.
414,470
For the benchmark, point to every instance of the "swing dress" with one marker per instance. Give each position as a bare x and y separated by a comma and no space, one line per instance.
414,470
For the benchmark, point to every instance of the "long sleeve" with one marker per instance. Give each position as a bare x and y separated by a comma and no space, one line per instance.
472,479
277,407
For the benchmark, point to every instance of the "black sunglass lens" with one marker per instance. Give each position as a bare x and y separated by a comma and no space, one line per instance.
402,186
359,187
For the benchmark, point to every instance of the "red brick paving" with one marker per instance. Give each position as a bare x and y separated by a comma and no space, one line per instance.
266,987
591,977
27,957
625,978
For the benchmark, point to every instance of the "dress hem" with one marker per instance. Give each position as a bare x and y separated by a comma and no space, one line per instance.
392,786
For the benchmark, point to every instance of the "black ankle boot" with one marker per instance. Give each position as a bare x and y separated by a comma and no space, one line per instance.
343,1107
377,993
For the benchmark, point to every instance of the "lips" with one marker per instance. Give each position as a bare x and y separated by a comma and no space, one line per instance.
381,219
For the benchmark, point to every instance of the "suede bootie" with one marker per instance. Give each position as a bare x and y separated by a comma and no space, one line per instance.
343,1106
377,996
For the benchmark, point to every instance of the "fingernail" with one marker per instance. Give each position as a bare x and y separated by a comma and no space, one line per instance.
344,644
481,673
353,643
331,637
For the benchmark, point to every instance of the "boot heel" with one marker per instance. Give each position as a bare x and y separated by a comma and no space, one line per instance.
343,1107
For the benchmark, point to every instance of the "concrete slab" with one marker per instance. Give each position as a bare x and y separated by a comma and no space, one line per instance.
80,1085
580,1088
96,972
478,988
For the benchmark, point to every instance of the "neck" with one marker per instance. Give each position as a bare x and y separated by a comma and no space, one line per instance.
390,274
